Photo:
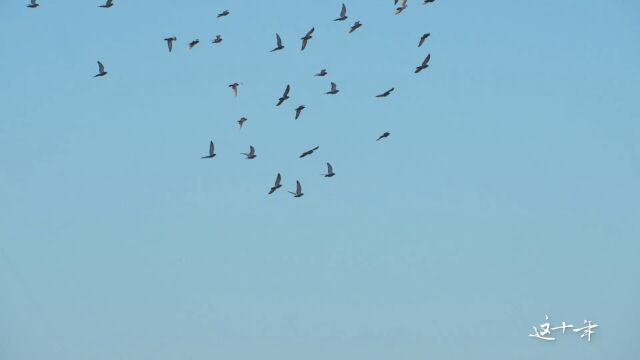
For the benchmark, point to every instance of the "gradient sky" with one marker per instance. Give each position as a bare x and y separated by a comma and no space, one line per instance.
508,189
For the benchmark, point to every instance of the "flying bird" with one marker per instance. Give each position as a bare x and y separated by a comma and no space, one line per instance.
425,2
355,27
334,89
251,154
386,93
309,152
330,172
384,135
224,13
343,14
212,153
217,40
322,72
193,43
34,4
241,122
101,71
108,4
234,88
170,41
284,96
306,38
279,45
277,185
424,65
299,111
402,7
423,38
298,192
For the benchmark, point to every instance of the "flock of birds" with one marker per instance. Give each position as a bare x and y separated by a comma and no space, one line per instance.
285,96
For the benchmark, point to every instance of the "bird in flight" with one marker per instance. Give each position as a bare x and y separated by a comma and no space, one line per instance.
425,2
241,122
309,152
170,41
251,154
384,135
234,88
330,172
101,71
108,4
277,185
424,65
193,43
306,38
334,89
402,7
217,40
343,14
34,4
224,13
322,72
279,45
284,96
298,192
299,111
423,38
355,27
212,153
386,93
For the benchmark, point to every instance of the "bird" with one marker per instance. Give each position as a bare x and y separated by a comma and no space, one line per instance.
193,43
212,153
309,152
170,41
251,154
234,88
277,185
402,7
241,122
386,93
384,135
330,172
425,2
299,111
424,65
355,26
108,4
306,38
217,40
101,71
224,13
423,38
298,192
34,4
334,89
343,14
279,45
322,72
284,96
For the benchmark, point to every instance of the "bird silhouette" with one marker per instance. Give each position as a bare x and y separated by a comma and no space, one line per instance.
217,40
355,27
425,2
386,93
322,72
224,13
277,185
279,45
234,88
424,65
299,111
298,192
34,4
334,89
212,153
330,172
284,96
241,122
251,154
423,38
170,41
309,152
101,71
108,4
403,6
306,38
343,14
193,43
384,135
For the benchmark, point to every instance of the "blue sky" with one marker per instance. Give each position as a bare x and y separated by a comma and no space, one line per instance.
507,190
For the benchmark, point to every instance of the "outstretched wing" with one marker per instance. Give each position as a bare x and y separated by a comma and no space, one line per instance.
278,40
304,44
298,187
329,168
333,86
310,31
343,13
426,60
100,66
286,91
109,2
278,179
252,151
235,90
211,149
33,2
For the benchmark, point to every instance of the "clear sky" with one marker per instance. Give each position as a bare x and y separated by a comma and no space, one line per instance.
508,189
